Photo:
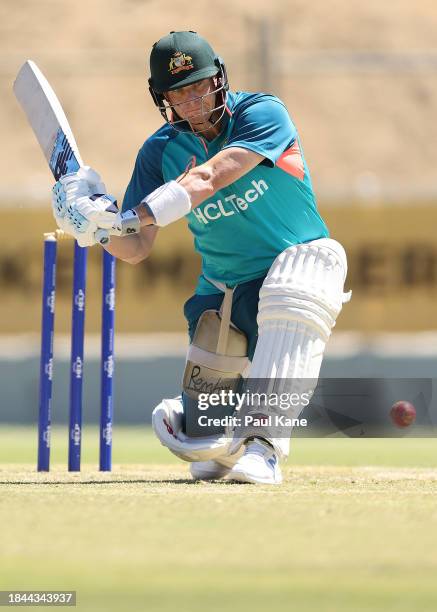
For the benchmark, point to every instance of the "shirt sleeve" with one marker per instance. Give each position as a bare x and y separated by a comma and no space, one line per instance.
147,174
263,126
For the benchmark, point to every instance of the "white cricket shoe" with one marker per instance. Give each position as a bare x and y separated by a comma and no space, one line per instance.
208,470
258,465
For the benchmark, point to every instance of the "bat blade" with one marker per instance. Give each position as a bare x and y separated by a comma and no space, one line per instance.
47,119
50,125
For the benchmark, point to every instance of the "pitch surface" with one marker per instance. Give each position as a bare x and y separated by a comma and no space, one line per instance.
353,527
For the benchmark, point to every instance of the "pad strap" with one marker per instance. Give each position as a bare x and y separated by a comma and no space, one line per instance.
225,313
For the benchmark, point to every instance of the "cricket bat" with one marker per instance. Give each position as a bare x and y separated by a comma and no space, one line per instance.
50,125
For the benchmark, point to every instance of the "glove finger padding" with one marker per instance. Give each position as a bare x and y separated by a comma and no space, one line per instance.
58,200
67,189
101,210
86,239
92,178
64,224
85,181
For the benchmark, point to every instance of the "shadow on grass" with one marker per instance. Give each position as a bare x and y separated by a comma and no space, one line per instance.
145,481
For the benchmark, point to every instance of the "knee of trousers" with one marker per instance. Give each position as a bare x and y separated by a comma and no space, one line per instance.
305,285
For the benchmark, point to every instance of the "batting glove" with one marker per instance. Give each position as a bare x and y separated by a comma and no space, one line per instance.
88,211
84,182
103,212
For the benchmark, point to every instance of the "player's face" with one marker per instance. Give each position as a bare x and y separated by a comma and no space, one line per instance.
195,102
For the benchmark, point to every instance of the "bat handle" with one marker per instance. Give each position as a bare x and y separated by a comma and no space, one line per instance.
102,236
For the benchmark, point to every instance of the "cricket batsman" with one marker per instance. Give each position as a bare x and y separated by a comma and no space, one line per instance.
271,284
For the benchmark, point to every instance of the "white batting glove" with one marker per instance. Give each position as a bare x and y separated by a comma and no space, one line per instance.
84,182
102,211
88,211
59,207
84,228
85,239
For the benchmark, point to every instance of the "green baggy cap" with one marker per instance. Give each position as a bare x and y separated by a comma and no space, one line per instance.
179,59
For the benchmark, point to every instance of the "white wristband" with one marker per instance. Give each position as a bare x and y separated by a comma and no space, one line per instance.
168,203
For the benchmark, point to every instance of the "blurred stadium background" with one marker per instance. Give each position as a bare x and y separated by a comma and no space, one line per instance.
359,82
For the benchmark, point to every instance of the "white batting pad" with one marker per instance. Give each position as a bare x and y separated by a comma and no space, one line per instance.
300,300
167,425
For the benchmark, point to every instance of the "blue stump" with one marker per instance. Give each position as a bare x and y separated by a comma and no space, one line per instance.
46,363
77,357
107,361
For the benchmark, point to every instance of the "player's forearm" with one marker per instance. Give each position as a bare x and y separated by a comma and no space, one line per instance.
134,248
220,171
126,248
174,199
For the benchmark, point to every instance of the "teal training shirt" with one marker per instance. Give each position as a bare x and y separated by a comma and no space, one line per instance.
241,230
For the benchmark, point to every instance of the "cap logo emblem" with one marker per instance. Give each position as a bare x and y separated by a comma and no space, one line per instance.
180,61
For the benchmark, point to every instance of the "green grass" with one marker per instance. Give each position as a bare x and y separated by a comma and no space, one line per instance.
353,527
138,445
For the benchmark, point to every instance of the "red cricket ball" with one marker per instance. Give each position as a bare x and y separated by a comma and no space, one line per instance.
403,413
